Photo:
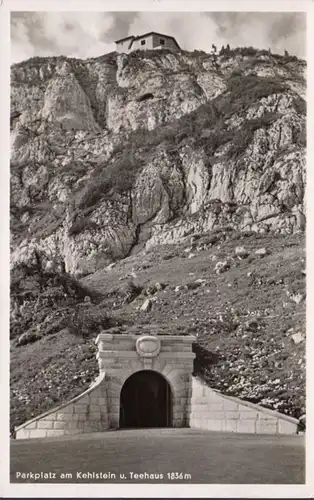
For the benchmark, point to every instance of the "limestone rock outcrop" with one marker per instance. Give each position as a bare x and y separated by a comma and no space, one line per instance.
125,150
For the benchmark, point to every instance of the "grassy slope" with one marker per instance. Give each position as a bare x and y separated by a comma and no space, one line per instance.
243,322
52,357
255,360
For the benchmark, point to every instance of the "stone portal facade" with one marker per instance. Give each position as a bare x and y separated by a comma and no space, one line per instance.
120,356
165,366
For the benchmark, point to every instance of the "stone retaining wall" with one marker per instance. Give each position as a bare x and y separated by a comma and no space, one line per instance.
211,410
85,413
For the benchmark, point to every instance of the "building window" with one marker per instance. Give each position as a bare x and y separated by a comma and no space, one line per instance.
143,42
162,41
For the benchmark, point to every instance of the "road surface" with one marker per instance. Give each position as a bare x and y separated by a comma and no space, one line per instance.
160,456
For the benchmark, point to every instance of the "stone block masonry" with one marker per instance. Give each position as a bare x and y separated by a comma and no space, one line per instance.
85,413
153,353
211,410
164,364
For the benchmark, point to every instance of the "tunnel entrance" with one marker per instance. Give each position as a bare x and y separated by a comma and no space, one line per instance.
145,401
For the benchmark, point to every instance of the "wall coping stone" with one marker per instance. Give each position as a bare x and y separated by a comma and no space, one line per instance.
107,337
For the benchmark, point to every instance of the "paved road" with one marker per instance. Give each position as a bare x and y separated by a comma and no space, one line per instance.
196,456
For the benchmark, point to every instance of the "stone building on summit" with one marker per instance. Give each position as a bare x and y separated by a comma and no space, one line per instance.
148,41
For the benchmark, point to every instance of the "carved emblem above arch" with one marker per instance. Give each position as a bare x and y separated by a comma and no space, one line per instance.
148,346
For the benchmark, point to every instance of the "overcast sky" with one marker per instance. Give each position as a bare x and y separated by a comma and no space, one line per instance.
90,34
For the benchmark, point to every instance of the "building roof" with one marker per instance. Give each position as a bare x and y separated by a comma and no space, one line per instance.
125,38
148,34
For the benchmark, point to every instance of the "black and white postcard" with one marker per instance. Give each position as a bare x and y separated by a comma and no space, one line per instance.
158,191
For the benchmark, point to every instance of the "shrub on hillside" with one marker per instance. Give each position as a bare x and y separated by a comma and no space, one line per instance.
117,177
129,291
299,105
300,137
243,136
87,320
90,194
80,224
245,91
23,275
43,300
28,337
45,219
47,224
284,59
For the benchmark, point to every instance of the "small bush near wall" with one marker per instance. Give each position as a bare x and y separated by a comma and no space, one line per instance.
88,321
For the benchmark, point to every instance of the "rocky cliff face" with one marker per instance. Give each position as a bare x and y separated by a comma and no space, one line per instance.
120,152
